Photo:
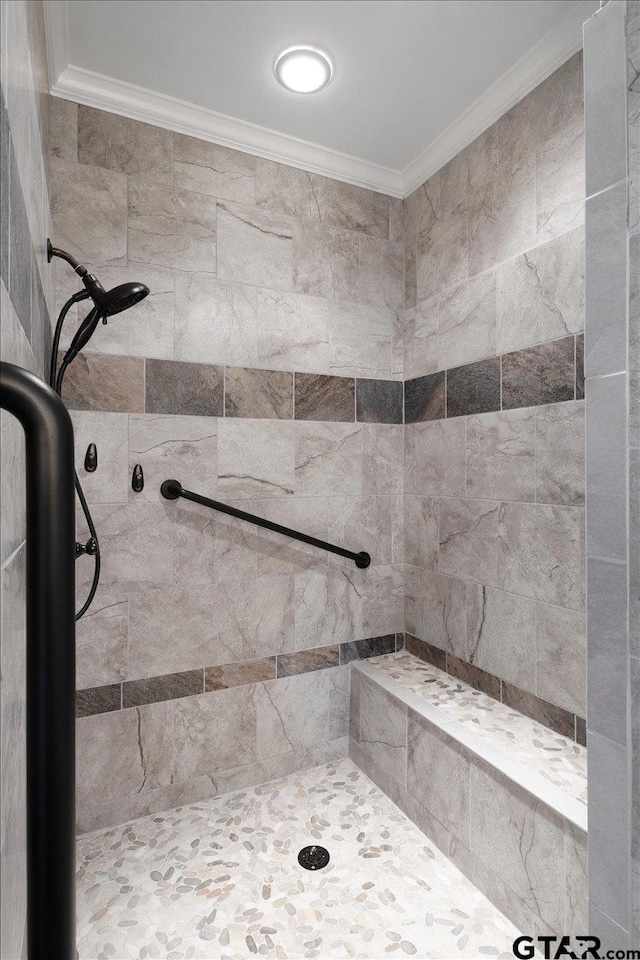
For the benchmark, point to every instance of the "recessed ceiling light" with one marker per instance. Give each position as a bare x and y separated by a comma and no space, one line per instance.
303,69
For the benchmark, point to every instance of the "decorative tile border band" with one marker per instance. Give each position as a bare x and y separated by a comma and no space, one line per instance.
548,373
172,686
119,384
548,714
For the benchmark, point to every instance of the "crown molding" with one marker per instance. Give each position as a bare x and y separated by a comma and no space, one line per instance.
536,65
138,103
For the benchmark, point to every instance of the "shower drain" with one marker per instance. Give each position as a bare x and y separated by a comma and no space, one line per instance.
313,858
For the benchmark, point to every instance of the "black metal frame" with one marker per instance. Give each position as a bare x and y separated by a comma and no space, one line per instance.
173,489
50,662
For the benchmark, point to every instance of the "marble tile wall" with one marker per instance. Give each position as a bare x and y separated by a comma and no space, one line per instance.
264,369
251,263
25,338
494,404
612,368
520,851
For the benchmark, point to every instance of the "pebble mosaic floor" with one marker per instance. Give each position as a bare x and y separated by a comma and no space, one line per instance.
220,880
559,759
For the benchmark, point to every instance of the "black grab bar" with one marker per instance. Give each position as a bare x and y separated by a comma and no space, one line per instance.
172,489
50,612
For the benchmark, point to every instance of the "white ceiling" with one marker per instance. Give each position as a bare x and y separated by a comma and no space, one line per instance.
406,71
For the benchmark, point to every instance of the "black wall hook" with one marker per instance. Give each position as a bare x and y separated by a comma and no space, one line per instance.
91,458
137,479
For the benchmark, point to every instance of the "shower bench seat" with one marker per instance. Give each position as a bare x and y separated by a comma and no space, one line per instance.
502,796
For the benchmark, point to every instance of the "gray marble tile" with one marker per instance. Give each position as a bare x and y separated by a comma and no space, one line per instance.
606,282
328,608
171,228
382,598
468,318
607,930
382,459
424,398
5,169
502,209
541,294
194,389
606,481
123,753
435,459
363,340
102,636
325,260
363,649
540,552
217,627
421,343
100,382
63,129
501,634
383,730
379,401
278,554
258,393
558,120
110,432
324,398
215,322
95,700
580,367
116,143
500,455
307,661
328,459
607,645
350,207
381,272
474,388
421,531
239,674
20,251
172,448
214,731
521,840
254,246
288,190
560,453
214,170
562,657
537,375
439,610
292,713
437,230
136,543
605,71
362,523
171,686
468,531
439,775
608,848
255,458
293,332
76,188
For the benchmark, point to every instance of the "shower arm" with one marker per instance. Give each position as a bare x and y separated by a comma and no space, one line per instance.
173,489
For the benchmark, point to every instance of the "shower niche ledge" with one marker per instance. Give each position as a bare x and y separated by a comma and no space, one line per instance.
502,796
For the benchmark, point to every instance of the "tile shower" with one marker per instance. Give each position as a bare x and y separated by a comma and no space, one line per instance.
401,377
